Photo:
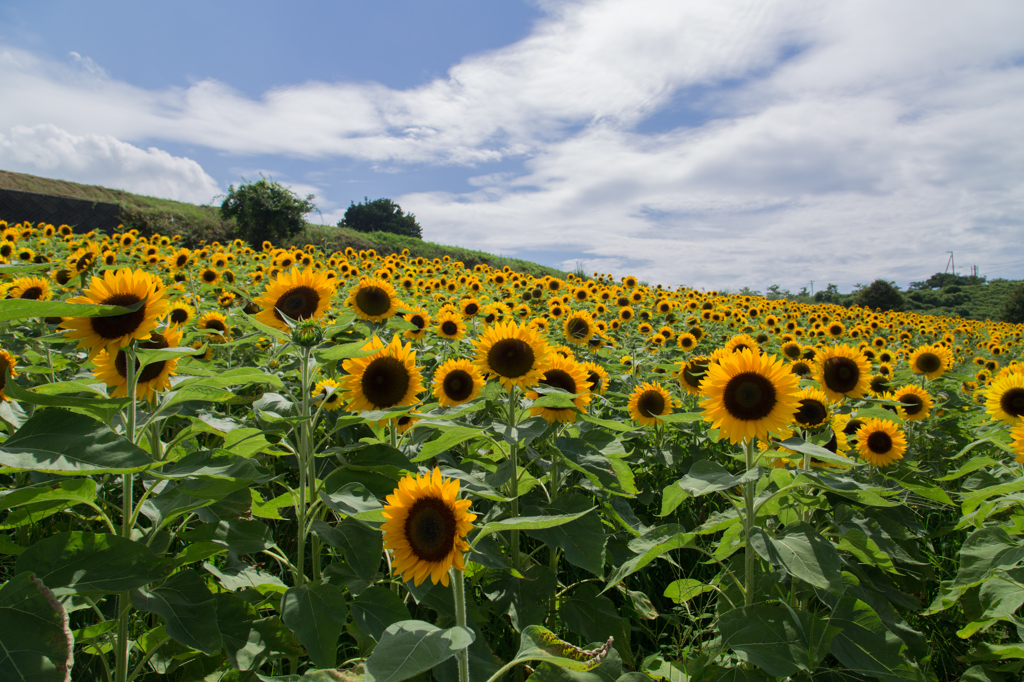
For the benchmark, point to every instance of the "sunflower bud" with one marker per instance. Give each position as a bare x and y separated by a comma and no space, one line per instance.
307,334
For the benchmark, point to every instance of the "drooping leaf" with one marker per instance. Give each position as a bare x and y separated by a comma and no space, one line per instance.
36,644
23,308
91,563
706,477
316,613
377,608
411,647
362,546
776,638
803,553
537,643
583,540
864,646
184,601
595,618
61,442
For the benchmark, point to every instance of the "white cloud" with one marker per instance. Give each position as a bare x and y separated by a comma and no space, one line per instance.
829,141
101,159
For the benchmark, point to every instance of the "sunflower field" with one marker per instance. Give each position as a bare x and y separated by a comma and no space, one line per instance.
247,464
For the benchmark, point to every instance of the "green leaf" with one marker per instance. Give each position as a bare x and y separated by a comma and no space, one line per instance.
866,647
583,541
243,642
36,502
525,598
362,546
856,542
446,441
983,553
527,523
817,452
21,308
803,553
973,465
609,473
595,618
36,644
375,609
540,644
986,651
244,537
216,464
344,352
91,563
706,477
654,543
61,442
684,590
316,613
411,647
777,639
354,500
184,601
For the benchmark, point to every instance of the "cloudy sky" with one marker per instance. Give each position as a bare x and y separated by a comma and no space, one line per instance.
717,144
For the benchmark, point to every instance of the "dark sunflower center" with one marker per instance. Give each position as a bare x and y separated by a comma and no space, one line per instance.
595,381
835,330
801,368
385,382
472,308
457,385
879,384
449,328
430,528
418,321
116,326
749,396
63,277
298,303
577,328
841,374
693,374
511,358
928,363
650,404
879,442
791,351
852,426
179,316
686,342
832,445
32,293
1012,402
373,301
209,276
811,412
912,404
215,324
181,260
150,371
559,378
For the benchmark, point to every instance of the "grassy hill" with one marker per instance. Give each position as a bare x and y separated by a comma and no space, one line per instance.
194,223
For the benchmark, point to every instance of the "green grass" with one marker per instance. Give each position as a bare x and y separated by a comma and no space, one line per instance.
194,223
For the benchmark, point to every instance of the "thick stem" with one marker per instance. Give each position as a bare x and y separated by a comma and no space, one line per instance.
304,457
127,510
459,589
749,517
514,457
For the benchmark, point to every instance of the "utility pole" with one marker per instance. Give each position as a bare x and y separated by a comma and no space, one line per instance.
951,262
812,287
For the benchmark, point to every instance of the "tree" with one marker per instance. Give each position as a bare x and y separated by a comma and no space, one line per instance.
880,294
265,210
380,215
1013,307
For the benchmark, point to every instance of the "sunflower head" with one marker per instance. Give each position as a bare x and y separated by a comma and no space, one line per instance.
1004,398
514,353
579,327
881,442
568,375
842,371
6,365
297,295
387,378
155,376
749,395
915,402
932,361
813,409
425,528
457,382
648,402
329,388
373,300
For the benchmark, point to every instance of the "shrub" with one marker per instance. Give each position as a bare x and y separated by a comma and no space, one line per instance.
265,210
381,215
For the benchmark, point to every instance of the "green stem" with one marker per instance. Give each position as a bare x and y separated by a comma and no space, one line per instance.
514,457
127,517
460,619
749,519
304,464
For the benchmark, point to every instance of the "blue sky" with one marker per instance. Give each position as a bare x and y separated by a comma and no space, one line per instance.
717,144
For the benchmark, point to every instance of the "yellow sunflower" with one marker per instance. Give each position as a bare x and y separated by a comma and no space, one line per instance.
1004,398
692,374
648,402
30,288
686,341
813,409
931,361
113,370
426,528
373,300
215,322
6,363
180,313
332,400
388,378
420,318
514,353
298,295
1016,434
597,376
842,372
571,377
457,382
750,395
450,325
579,327
915,402
125,287
881,442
